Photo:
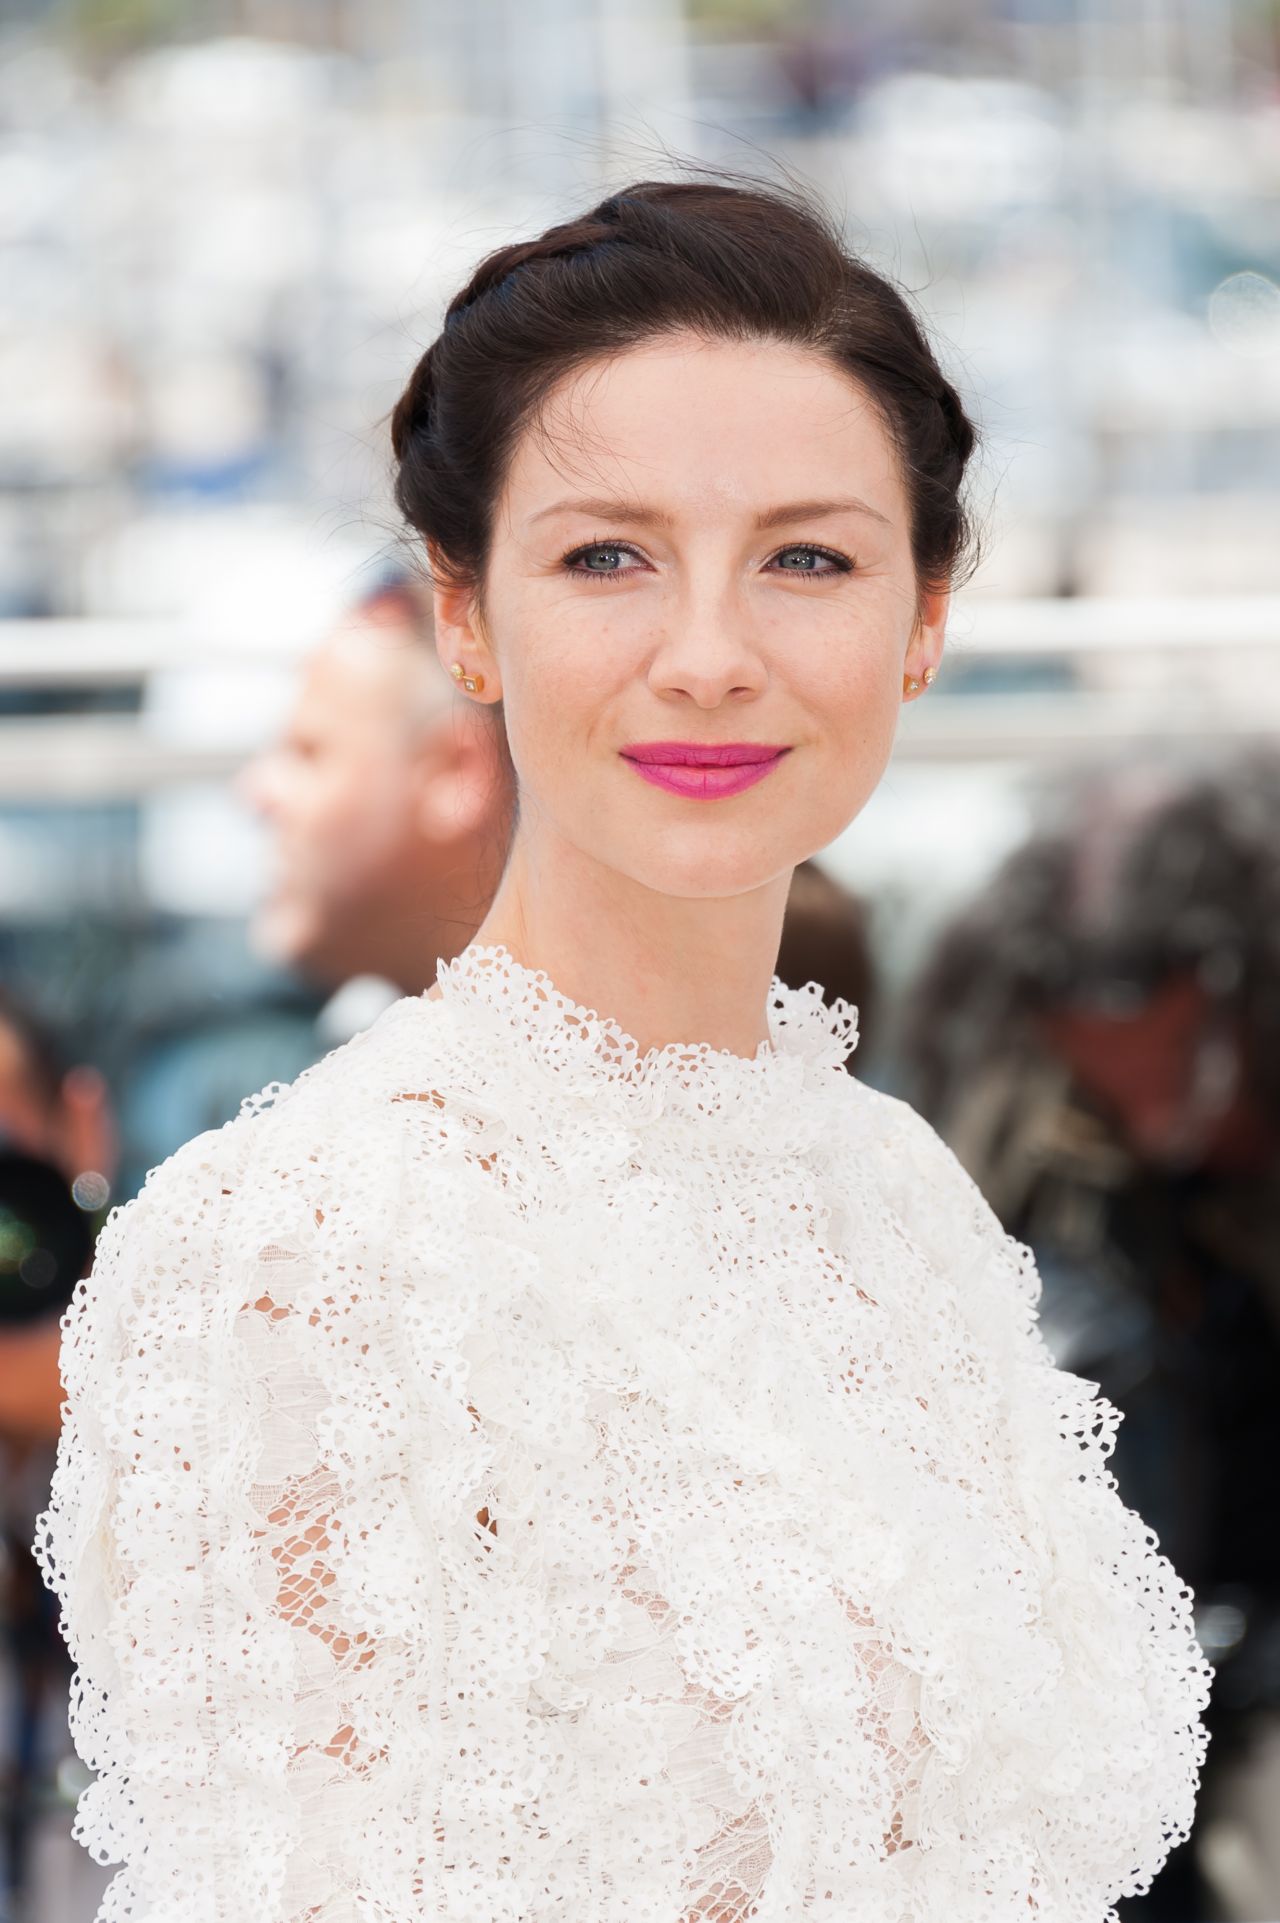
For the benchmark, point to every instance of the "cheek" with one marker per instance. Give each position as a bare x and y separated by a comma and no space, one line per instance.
337,798
862,720
562,704
353,801
303,799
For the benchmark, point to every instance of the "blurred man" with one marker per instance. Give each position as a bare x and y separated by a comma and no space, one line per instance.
1098,1036
389,798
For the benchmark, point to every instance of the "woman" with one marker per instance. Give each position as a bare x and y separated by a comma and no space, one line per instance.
603,1465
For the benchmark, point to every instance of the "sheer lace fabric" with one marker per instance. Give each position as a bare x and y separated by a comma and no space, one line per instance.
507,1476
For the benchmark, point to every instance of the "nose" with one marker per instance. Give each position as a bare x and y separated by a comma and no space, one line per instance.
254,786
708,650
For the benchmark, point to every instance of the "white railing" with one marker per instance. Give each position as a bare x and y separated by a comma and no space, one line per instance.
1144,669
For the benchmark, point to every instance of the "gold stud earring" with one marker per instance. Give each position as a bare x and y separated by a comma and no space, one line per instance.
473,683
910,685
930,676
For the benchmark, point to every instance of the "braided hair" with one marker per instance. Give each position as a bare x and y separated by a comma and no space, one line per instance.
737,262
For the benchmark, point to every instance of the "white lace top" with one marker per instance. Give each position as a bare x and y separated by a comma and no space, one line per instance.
509,1477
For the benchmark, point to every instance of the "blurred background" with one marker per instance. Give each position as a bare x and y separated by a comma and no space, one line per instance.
241,808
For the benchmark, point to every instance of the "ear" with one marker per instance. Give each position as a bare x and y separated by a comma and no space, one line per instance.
924,650
459,631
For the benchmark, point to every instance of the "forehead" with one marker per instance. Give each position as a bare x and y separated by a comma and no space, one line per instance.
711,426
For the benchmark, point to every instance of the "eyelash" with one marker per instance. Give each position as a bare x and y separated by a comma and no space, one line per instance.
843,565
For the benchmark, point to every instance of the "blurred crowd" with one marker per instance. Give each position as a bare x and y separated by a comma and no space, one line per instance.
217,244
1096,1031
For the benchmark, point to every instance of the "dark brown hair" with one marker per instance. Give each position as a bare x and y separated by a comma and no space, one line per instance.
739,262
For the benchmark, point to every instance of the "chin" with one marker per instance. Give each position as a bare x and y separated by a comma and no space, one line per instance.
702,860
699,876
290,938
270,938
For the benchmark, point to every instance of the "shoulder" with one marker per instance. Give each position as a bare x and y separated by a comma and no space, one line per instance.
939,1206
151,1260
305,1135
914,1162
254,1191
181,1198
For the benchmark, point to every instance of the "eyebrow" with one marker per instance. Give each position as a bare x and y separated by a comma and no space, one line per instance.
614,510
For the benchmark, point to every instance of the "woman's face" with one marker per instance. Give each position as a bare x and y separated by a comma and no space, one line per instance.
702,542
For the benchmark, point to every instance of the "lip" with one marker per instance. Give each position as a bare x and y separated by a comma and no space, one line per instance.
703,770
702,754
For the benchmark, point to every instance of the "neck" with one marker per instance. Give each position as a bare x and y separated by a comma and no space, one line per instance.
667,968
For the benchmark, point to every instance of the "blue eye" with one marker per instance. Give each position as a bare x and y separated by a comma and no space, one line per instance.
840,562
593,551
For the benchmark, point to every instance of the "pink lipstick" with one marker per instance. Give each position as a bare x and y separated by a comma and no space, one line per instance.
703,770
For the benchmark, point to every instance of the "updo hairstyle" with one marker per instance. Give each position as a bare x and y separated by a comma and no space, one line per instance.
733,262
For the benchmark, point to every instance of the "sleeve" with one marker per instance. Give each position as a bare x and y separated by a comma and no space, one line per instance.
1111,1754
230,1706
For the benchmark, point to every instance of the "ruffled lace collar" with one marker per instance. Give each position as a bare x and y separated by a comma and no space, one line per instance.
560,1043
